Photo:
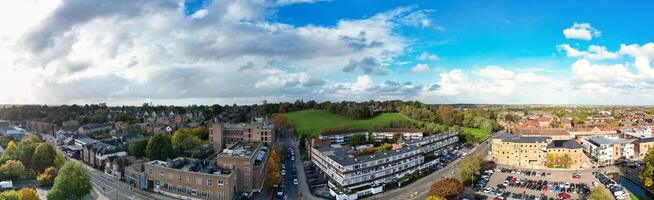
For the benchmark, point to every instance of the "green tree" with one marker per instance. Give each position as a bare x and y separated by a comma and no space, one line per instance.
647,174
358,139
183,140
60,159
273,174
447,188
470,170
10,152
133,129
73,182
137,148
600,193
44,156
28,194
200,132
25,151
12,169
159,148
9,195
47,177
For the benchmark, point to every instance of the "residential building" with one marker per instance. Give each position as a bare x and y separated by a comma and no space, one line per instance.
94,128
11,131
96,153
223,135
642,146
351,175
608,150
389,133
535,152
186,178
248,159
342,136
40,126
558,150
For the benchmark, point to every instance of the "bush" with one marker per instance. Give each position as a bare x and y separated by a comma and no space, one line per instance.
28,194
12,169
47,177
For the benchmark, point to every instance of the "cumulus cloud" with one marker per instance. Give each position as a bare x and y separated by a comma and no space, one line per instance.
426,56
420,68
69,51
594,52
582,31
289,2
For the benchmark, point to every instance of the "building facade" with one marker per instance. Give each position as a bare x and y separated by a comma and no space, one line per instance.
608,150
389,133
187,178
350,175
223,135
642,146
248,159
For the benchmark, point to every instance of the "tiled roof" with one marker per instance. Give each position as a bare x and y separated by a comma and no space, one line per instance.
567,144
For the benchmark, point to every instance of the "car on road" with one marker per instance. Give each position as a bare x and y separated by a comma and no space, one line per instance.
564,196
283,172
283,166
295,181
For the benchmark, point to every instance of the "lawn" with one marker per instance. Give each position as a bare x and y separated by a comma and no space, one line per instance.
315,121
633,196
478,133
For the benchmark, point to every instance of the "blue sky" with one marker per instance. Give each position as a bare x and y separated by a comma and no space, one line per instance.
225,51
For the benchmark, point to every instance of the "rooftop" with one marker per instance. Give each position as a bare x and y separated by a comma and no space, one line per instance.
607,141
507,137
192,165
243,149
397,130
567,144
340,132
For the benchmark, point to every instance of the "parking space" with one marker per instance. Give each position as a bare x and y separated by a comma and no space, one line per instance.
504,183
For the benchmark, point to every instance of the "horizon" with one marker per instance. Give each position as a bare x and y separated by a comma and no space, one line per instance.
205,52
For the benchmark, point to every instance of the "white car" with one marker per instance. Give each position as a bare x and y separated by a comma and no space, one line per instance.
283,172
293,158
283,166
295,181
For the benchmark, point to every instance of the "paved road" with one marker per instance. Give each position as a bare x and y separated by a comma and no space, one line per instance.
291,191
419,188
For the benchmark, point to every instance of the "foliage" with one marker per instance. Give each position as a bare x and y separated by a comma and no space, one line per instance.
279,120
28,194
312,122
25,151
273,168
200,132
60,159
558,161
10,152
12,169
73,182
600,193
447,188
435,198
9,195
183,140
137,148
159,148
47,177
351,110
133,129
358,140
44,156
471,168
647,174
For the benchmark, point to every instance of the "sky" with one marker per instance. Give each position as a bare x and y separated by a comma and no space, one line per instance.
127,52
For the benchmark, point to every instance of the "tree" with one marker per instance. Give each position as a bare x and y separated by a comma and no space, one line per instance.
159,148
435,198
273,168
471,168
47,177
44,156
200,132
133,129
12,169
9,195
28,194
647,174
600,193
137,148
279,120
73,182
60,159
25,151
447,188
183,140
358,139
10,152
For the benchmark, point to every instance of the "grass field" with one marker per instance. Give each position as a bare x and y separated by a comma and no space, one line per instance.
478,133
314,121
633,197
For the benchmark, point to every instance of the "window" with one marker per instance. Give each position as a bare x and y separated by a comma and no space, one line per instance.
150,171
209,182
188,179
198,181
162,173
221,183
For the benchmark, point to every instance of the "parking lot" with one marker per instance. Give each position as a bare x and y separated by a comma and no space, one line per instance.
536,184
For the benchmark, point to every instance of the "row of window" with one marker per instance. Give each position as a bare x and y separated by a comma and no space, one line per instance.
189,179
189,191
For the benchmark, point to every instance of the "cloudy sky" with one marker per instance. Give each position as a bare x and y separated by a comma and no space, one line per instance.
223,51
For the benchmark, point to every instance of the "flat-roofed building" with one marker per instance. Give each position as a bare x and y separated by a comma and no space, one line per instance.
389,133
557,150
507,149
342,136
188,178
248,159
608,150
223,135
351,175
642,146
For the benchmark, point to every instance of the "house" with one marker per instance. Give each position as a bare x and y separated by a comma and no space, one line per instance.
608,150
94,128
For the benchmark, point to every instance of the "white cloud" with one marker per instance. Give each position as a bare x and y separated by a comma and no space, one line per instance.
582,31
420,68
594,52
635,50
496,73
426,56
289,2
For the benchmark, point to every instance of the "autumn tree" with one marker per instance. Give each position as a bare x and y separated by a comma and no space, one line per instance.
647,174
183,140
448,188
44,156
471,168
12,169
279,120
10,152
435,198
47,177
28,194
25,151
200,132
274,167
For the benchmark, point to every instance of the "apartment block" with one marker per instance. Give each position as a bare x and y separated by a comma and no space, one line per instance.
557,150
507,149
223,135
342,136
642,146
248,159
187,178
389,133
608,150
351,175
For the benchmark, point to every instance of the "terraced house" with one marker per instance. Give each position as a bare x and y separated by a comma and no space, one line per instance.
351,175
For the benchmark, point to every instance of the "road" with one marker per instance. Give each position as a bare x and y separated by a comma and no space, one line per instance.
419,188
291,191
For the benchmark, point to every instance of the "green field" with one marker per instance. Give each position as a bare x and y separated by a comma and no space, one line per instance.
315,121
478,133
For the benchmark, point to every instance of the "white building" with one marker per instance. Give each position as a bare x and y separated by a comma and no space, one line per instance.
608,150
389,133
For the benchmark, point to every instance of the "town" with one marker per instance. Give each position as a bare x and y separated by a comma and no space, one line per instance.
340,150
